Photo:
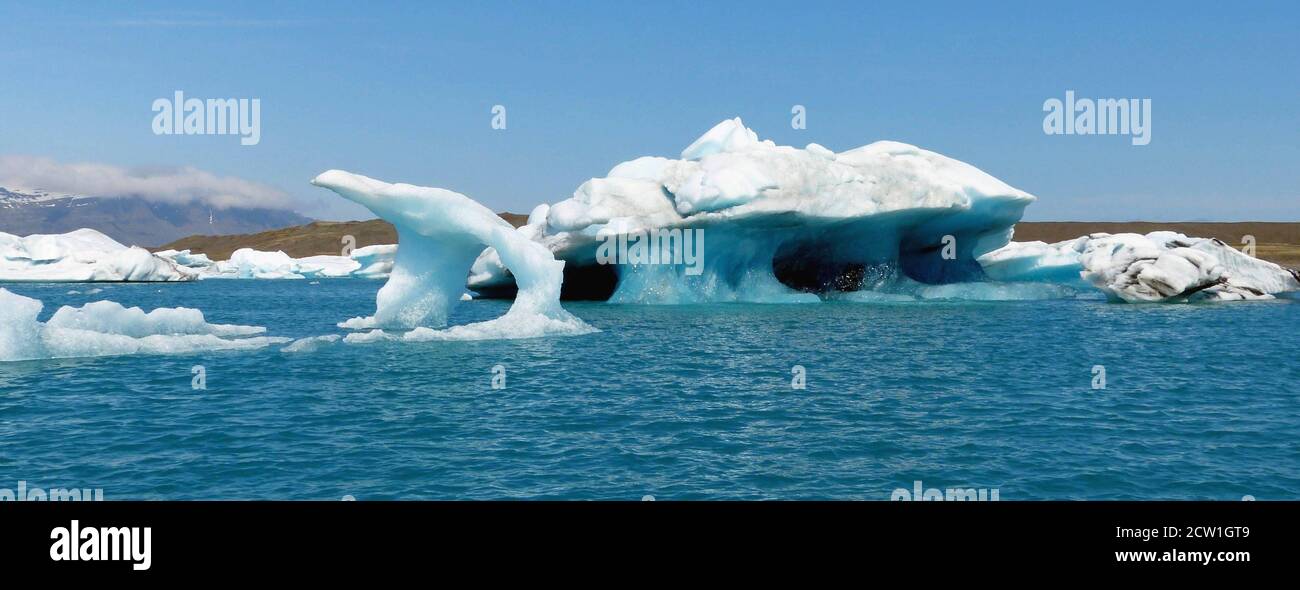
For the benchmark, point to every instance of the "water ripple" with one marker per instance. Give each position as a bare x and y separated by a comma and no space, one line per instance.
1201,401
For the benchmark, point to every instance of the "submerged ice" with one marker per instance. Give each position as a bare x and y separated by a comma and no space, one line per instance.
106,328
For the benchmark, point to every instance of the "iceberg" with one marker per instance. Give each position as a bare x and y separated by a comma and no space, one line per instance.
738,218
1037,262
1161,266
186,258
374,262
370,262
106,328
247,263
783,224
441,233
82,255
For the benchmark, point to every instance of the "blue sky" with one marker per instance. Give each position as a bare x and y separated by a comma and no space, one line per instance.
403,92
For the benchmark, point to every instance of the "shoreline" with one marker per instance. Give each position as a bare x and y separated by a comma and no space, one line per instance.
1276,241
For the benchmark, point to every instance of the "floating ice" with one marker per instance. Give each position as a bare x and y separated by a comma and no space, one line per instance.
370,262
311,343
1160,266
1037,261
327,266
83,255
374,262
108,317
186,258
781,223
440,234
886,221
105,328
1169,266
370,336
506,327
247,263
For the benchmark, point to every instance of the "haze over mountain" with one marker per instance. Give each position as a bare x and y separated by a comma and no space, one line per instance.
131,219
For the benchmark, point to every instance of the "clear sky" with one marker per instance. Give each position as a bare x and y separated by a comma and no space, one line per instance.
403,91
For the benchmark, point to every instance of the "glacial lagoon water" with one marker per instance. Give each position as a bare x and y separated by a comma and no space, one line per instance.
676,402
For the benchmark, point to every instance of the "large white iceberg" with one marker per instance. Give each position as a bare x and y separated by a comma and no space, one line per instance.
883,222
776,223
1159,266
440,234
83,255
106,328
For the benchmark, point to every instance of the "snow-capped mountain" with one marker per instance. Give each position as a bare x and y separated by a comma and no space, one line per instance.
130,220
11,198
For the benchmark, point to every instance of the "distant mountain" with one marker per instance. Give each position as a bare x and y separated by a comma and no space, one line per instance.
130,220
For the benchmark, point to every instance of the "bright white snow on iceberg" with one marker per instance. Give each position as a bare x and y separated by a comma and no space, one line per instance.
186,258
440,234
83,255
247,263
884,222
105,328
370,262
374,262
781,223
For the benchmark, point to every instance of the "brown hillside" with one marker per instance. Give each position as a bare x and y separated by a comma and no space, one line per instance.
318,237
1279,242
1275,241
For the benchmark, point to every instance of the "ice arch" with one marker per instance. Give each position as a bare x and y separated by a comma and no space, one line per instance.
440,233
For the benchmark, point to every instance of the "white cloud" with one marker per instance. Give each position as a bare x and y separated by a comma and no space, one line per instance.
170,185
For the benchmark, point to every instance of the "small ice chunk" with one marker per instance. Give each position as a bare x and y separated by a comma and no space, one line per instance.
311,343
106,328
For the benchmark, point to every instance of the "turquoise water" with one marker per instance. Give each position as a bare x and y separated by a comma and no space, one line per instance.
687,402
